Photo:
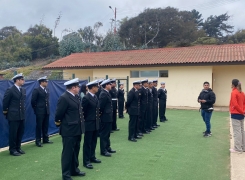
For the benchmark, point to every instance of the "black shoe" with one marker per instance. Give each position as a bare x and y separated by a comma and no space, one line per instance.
162,121
112,132
47,142
111,151
152,128
138,137
116,129
133,140
107,154
95,160
165,119
15,153
207,135
38,144
146,132
140,134
89,166
21,151
155,126
80,174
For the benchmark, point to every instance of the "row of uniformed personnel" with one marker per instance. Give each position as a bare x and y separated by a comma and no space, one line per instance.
14,111
142,107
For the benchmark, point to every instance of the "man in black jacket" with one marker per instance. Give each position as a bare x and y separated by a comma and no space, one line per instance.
40,105
207,99
133,108
155,104
106,110
143,106
162,95
14,110
113,93
121,100
90,104
69,117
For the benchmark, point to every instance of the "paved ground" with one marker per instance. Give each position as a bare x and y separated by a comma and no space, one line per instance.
237,162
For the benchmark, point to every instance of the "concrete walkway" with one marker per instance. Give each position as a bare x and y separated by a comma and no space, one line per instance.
237,161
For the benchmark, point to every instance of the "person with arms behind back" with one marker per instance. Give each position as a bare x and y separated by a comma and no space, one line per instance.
69,117
237,107
207,99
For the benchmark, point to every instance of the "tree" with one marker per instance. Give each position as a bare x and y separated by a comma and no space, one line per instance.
91,37
238,37
216,26
198,17
71,43
159,27
7,31
39,38
112,42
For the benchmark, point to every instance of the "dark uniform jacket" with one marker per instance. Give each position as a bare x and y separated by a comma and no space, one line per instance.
113,93
133,103
90,106
69,112
14,103
144,98
210,98
155,96
99,91
120,95
150,98
105,106
162,94
40,101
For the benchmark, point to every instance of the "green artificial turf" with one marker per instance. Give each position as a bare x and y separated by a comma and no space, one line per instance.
174,151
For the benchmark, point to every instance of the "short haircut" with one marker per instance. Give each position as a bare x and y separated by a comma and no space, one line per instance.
21,77
206,82
71,85
92,85
43,80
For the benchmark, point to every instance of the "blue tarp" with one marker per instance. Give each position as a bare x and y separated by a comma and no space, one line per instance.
56,88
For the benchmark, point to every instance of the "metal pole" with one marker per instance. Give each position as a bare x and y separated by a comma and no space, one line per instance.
106,77
73,76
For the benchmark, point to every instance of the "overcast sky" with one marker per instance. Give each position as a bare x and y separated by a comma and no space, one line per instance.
79,13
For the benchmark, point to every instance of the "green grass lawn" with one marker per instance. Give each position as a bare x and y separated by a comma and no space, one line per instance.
174,151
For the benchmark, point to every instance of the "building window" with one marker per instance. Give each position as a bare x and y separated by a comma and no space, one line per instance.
134,74
146,74
163,73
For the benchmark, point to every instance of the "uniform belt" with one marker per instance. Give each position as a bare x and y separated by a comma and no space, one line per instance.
114,99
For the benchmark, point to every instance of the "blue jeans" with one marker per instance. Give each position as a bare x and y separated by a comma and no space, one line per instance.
206,115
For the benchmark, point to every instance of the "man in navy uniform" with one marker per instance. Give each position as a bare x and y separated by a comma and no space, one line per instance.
162,95
14,111
69,117
121,100
133,109
106,111
113,93
155,104
40,105
143,106
148,126
90,104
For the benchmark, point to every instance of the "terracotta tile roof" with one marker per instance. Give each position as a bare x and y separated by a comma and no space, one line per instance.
162,56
